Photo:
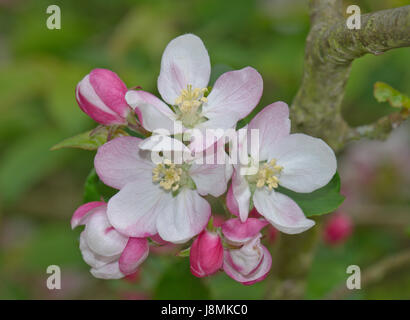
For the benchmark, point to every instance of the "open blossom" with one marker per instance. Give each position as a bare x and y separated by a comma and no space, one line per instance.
206,255
251,262
295,161
163,198
182,83
110,254
101,95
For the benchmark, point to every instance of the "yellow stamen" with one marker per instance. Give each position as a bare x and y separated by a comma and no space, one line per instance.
268,175
189,103
168,175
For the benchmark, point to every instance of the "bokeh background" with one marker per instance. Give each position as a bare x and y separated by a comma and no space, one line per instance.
40,189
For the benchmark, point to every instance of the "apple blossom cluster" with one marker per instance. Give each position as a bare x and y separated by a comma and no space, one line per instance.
160,199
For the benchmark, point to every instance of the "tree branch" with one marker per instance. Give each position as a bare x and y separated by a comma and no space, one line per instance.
330,49
316,109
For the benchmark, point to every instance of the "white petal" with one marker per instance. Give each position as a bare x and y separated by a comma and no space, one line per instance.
184,217
185,61
242,194
248,257
308,163
272,124
91,258
134,210
258,275
233,97
213,175
153,113
101,237
281,211
120,161
108,271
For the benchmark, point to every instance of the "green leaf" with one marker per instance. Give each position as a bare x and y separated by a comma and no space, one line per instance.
95,190
178,283
383,92
86,140
324,200
184,253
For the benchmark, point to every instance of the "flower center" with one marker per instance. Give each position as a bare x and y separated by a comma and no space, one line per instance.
268,175
189,105
168,175
172,177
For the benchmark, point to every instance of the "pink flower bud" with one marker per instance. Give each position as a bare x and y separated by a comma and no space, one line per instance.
101,95
110,254
206,256
249,264
338,229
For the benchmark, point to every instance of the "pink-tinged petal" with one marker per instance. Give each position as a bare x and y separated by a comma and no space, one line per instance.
91,258
183,217
233,97
272,124
134,210
111,90
242,194
194,255
308,163
246,259
212,175
108,271
237,231
231,202
257,275
153,113
91,104
119,162
101,237
281,211
80,215
206,254
134,254
185,61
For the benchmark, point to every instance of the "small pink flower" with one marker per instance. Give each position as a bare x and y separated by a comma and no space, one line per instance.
110,254
251,262
101,95
338,229
206,255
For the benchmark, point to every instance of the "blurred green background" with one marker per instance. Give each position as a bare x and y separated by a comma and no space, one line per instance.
40,189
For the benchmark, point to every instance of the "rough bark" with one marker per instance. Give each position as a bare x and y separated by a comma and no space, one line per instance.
330,50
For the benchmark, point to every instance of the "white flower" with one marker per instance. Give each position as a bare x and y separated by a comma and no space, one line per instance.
163,198
295,161
182,83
